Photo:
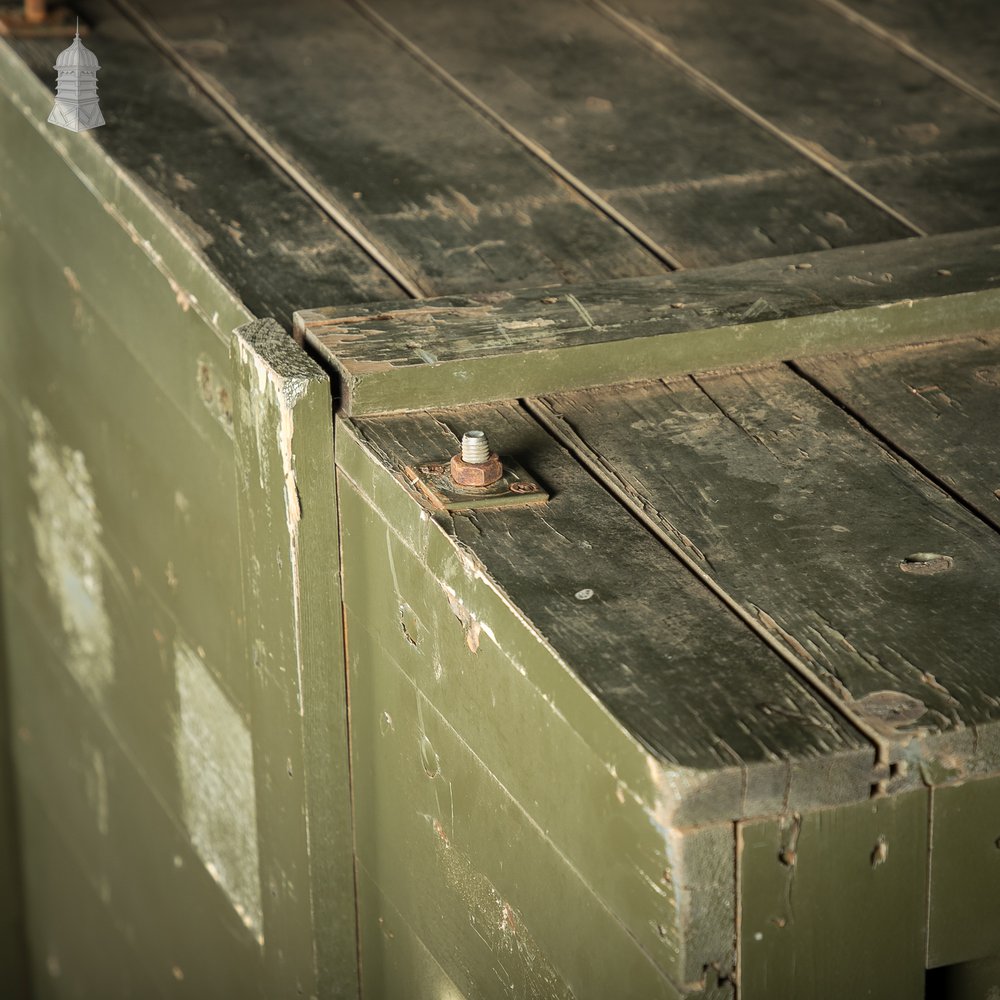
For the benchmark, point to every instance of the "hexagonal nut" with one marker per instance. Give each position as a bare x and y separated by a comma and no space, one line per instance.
484,474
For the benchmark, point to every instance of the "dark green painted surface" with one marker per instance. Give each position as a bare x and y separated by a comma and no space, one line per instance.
833,902
964,922
459,350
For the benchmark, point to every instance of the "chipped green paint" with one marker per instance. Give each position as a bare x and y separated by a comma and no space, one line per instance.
215,762
67,530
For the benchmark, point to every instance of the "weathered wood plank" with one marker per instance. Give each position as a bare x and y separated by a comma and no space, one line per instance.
964,873
447,645
483,887
694,175
652,671
811,527
266,239
134,852
915,141
960,38
451,202
452,351
833,902
294,640
939,405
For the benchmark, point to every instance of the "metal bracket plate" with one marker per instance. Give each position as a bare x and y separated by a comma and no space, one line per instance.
515,489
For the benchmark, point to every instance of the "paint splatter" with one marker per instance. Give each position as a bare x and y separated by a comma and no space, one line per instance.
215,762
67,532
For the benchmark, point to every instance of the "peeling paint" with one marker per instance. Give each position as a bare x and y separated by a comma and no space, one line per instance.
215,763
67,531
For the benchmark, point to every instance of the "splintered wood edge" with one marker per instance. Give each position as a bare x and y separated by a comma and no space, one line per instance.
451,351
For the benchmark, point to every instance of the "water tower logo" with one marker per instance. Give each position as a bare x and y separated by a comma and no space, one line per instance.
76,106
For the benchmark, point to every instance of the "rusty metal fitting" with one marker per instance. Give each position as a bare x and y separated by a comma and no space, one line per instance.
476,473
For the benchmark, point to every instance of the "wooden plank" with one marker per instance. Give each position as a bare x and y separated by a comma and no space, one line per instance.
294,640
449,202
483,887
694,175
914,140
653,880
58,188
832,902
810,527
452,351
964,873
136,855
614,643
939,405
265,238
959,41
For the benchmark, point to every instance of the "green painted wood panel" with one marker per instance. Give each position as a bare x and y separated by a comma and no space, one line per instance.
289,552
806,522
832,903
893,126
964,921
693,175
461,350
936,404
263,235
13,940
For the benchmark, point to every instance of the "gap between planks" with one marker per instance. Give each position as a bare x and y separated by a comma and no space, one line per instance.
666,256
658,46
591,461
889,445
270,150
910,51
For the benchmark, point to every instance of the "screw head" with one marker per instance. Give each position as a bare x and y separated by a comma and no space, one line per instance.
523,488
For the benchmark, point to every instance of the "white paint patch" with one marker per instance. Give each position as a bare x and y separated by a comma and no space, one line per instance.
215,762
96,784
67,532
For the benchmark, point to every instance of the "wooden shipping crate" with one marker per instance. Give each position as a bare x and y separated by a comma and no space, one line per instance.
701,700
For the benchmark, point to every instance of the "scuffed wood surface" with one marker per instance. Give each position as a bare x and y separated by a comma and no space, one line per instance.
650,642
962,36
263,236
451,203
807,521
938,404
448,351
693,175
914,140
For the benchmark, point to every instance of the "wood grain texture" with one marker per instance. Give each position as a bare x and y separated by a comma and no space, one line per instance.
833,902
263,236
451,202
939,405
417,612
918,143
964,873
294,641
961,37
807,522
455,350
652,671
690,172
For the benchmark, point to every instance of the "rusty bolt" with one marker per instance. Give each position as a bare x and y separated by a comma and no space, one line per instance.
476,465
476,473
523,488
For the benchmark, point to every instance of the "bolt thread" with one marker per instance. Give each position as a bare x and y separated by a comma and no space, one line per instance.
475,447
